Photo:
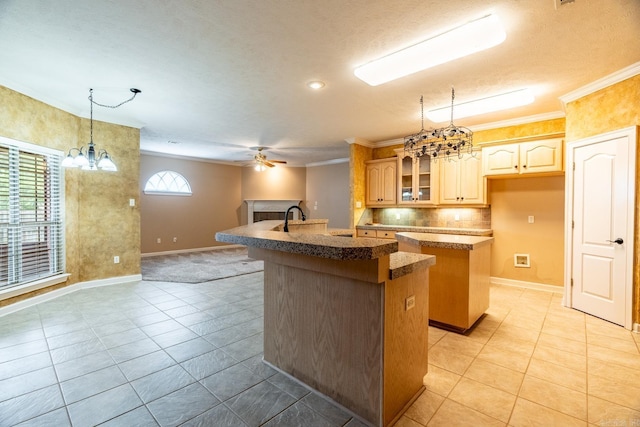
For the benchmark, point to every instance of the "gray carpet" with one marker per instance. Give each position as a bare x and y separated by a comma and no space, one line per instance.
198,267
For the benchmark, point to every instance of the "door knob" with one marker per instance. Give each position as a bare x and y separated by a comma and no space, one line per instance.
618,241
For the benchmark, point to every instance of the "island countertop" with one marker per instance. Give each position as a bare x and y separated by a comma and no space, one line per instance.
262,235
446,241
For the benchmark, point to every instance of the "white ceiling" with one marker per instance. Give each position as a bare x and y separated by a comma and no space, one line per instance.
221,76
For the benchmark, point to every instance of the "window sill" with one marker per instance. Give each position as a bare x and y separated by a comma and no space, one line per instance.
33,286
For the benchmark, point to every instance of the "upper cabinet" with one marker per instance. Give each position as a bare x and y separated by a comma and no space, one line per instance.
381,184
543,156
461,180
417,180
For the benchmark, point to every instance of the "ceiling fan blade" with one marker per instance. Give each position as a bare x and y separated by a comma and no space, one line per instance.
284,162
268,163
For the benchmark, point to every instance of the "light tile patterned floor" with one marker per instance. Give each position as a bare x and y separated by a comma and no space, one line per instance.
159,353
531,362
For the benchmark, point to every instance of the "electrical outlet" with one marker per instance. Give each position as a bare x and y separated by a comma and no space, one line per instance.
132,202
358,205
175,239
456,217
531,219
158,240
116,259
409,303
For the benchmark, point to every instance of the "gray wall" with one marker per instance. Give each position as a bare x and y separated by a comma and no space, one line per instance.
329,186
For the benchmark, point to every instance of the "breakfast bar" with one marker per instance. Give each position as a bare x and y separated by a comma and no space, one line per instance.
346,316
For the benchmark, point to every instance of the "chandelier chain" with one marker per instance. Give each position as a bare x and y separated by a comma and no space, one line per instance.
135,93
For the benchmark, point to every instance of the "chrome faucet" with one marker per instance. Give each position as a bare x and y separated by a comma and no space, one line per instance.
286,217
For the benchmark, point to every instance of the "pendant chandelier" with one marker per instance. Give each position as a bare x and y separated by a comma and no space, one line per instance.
441,143
92,159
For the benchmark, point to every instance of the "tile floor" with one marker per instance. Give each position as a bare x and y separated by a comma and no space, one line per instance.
159,353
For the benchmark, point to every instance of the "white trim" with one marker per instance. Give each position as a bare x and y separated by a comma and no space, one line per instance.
184,251
606,81
30,147
526,285
636,328
17,306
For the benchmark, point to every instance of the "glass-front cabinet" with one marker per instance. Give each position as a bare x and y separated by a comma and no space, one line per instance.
417,180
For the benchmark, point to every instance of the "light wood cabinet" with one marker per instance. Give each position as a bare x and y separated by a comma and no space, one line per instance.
381,184
534,157
461,180
417,180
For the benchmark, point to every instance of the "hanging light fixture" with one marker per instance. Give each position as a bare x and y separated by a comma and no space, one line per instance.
439,143
93,159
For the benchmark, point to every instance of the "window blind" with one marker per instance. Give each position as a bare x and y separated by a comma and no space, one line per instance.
31,217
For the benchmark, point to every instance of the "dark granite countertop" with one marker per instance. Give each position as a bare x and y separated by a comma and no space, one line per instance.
403,263
261,235
438,230
446,241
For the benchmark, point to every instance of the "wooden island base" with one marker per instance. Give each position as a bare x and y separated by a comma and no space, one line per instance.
342,328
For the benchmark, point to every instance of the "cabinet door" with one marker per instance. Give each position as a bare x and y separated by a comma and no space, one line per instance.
501,159
423,180
373,184
472,183
405,166
388,186
449,182
541,156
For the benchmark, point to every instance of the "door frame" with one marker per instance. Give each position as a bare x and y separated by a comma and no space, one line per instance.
632,134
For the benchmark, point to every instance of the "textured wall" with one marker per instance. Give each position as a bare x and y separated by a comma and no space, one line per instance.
612,108
215,205
357,156
99,221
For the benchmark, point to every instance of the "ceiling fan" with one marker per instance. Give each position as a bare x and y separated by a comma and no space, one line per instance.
261,159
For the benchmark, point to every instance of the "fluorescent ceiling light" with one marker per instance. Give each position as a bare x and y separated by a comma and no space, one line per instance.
474,36
504,101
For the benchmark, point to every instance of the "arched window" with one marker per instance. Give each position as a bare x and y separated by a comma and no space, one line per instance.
168,183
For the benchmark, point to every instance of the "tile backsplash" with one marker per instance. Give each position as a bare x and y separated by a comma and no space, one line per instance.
430,217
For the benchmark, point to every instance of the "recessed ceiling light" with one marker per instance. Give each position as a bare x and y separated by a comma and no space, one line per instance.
316,84
471,37
489,104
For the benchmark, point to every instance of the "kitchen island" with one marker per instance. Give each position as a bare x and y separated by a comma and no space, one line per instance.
459,282
345,316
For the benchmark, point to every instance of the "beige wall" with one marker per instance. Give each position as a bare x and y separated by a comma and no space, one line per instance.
512,201
278,183
612,108
215,205
328,186
100,224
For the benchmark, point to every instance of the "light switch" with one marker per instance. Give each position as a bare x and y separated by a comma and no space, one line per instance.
531,219
132,202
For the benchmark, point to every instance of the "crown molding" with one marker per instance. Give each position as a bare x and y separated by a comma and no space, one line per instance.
519,121
328,162
606,81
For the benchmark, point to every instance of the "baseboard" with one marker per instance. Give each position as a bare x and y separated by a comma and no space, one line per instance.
184,251
526,285
636,328
56,293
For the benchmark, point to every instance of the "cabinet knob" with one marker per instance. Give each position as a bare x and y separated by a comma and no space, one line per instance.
524,166
461,198
516,166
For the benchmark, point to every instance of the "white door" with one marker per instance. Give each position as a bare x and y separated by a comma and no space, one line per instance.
600,224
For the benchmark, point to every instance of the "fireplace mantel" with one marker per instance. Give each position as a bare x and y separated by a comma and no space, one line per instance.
270,206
